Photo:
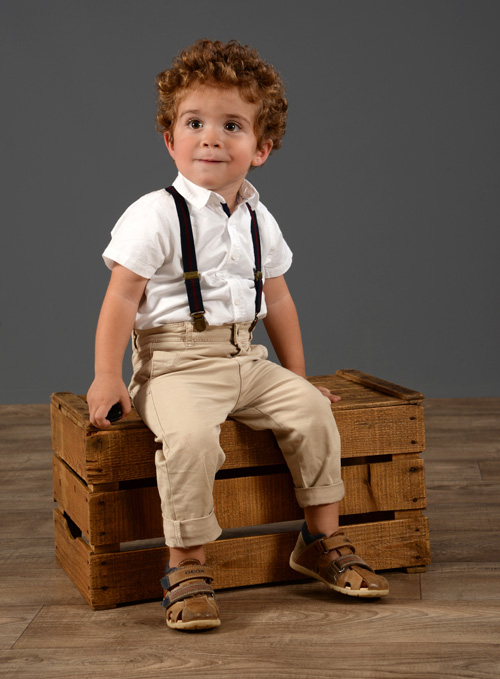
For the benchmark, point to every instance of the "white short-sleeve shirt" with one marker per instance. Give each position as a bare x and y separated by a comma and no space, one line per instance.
146,240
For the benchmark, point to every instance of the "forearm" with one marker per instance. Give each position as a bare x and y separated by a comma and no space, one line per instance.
113,330
116,321
115,324
282,325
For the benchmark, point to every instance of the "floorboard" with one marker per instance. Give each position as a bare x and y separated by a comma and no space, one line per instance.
442,624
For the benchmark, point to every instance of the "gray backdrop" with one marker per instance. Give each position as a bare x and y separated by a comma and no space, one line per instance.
386,186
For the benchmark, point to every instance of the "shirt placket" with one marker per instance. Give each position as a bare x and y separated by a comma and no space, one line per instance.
234,257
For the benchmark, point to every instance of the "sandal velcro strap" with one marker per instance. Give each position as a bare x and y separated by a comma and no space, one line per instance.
336,541
174,576
342,563
186,591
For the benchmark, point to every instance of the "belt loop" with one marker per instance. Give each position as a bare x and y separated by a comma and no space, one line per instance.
189,334
134,340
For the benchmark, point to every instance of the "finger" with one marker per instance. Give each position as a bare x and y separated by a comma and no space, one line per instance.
100,420
126,406
332,397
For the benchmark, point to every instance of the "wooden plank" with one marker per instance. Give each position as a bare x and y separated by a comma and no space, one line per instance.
135,514
108,579
372,487
255,500
124,452
381,431
74,555
453,582
74,407
255,560
386,486
68,437
363,431
244,447
71,494
381,385
118,455
466,546
14,620
490,470
354,395
408,637
417,641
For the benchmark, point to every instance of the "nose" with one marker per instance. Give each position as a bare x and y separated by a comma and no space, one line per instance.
210,138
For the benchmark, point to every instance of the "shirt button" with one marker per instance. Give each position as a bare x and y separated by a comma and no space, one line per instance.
234,257
236,302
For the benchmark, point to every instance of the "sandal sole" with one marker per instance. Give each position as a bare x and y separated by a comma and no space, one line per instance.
193,624
364,593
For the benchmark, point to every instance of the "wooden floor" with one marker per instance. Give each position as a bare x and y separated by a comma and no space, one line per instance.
444,623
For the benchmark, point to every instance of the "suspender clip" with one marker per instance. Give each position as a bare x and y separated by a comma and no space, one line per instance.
200,323
190,266
254,323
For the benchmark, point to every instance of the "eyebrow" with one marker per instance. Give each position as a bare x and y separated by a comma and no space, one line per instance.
229,116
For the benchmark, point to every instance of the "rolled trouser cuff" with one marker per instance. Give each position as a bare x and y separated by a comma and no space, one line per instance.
320,495
192,532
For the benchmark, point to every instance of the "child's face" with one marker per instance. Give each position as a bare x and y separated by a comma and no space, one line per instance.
213,141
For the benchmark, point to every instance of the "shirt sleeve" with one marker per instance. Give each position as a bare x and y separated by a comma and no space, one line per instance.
140,238
279,256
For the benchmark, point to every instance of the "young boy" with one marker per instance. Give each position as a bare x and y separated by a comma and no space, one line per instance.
188,264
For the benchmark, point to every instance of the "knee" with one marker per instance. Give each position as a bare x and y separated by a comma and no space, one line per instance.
198,443
314,404
314,420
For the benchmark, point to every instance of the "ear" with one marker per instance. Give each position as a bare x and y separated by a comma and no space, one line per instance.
169,143
262,153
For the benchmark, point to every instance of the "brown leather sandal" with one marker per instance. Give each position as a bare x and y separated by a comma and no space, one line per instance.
347,573
189,597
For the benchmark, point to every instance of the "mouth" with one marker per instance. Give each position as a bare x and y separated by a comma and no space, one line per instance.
209,161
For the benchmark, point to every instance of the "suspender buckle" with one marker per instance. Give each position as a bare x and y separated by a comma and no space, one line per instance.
200,323
190,266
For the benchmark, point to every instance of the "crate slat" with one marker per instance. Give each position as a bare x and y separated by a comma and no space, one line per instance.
135,514
119,454
105,488
106,580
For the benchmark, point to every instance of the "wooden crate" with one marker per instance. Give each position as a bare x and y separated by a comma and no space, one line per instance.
108,524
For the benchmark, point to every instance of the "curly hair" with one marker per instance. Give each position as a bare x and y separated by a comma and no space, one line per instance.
209,62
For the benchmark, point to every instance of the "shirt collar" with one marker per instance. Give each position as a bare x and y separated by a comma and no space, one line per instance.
200,197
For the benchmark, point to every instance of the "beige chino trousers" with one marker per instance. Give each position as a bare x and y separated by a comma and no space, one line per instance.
185,385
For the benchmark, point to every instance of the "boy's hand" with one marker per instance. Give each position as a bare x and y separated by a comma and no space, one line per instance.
102,395
326,392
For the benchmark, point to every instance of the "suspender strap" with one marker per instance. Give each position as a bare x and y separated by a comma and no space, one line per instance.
258,264
191,274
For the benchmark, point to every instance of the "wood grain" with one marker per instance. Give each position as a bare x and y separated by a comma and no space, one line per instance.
435,625
119,577
380,385
369,422
135,514
276,654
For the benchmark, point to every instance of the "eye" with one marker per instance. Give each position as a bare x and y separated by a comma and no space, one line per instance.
195,124
232,126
